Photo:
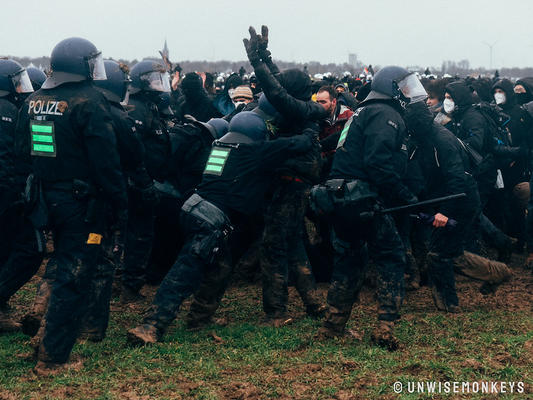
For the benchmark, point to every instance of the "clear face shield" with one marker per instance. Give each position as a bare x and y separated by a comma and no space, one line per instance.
157,81
412,88
97,68
21,82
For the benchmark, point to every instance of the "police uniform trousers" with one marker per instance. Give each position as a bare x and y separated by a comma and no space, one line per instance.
353,240
77,244
204,255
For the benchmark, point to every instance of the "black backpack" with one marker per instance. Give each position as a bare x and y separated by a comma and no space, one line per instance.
497,122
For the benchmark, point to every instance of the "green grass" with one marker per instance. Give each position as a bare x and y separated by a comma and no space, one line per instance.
253,362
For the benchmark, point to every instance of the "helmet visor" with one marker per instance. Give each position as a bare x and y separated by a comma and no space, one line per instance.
97,68
157,81
412,88
21,82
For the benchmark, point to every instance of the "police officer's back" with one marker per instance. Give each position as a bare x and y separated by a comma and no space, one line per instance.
66,127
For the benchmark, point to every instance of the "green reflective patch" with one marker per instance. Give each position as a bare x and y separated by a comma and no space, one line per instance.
47,148
41,128
42,139
213,168
216,161
344,133
220,153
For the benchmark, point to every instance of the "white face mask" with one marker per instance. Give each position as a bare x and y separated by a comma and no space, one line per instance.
448,105
499,98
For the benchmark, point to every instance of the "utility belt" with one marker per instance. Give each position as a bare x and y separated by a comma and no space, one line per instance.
336,193
202,209
81,190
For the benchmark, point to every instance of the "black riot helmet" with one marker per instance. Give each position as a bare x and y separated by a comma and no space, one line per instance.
14,79
74,60
37,77
149,76
397,83
115,87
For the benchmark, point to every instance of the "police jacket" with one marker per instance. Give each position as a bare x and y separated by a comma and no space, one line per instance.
8,119
190,148
153,134
446,169
130,147
372,148
69,133
237,176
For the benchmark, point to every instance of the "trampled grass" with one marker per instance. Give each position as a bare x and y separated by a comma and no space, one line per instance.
492,340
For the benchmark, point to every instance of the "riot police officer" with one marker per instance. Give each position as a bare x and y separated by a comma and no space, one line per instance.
237,175
67,129
19,246
370,159
148,80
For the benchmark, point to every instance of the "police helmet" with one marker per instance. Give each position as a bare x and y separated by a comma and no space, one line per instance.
116,85
250,124
37,77
74,60
149,75
397,83
14,79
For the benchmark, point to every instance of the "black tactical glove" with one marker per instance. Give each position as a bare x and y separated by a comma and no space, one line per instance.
252,47
262,45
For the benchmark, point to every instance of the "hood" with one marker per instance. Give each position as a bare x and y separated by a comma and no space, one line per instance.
297,83
461,94
527,83
507,86
192,86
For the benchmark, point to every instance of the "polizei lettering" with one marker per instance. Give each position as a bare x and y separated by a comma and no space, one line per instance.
43,107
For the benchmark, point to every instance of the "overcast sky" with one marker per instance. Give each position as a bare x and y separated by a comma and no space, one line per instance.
407,32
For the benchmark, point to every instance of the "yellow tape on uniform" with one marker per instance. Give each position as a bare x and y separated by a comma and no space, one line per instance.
94,238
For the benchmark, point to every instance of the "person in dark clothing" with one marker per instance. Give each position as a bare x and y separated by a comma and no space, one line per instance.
523,89
528,107
444,165
370,159
223,102
149,80
21,244
283,250
236,177
132,154
190,148
67,130
195,101
514,166
471,127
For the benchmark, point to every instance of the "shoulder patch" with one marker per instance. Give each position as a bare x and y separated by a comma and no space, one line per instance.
393,124
7,119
